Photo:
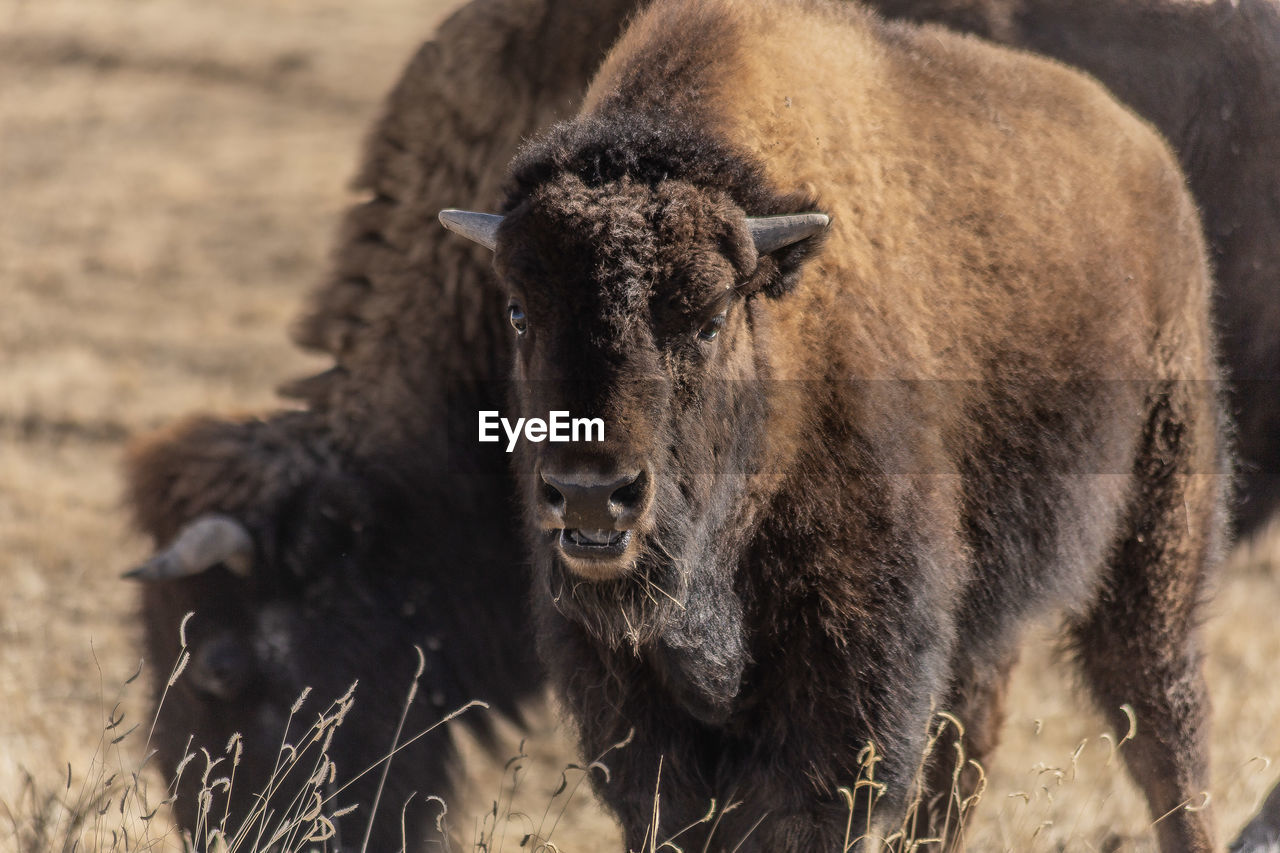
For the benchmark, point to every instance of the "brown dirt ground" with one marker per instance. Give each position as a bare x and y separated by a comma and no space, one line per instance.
171,172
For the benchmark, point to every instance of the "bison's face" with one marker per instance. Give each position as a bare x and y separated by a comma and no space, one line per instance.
632,305
627,308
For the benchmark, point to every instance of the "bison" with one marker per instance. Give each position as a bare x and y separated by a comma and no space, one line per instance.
845,465
304,571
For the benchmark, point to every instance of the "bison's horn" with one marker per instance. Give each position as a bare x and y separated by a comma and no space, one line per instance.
771,233
201,545
481,228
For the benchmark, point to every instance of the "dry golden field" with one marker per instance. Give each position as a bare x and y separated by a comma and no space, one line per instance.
170,175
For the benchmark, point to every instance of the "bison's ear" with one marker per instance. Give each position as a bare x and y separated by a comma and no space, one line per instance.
783,243
480,228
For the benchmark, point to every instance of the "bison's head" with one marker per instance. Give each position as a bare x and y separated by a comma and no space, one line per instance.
633,303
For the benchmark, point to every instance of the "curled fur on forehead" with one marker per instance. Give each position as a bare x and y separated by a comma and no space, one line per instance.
632,232
626,149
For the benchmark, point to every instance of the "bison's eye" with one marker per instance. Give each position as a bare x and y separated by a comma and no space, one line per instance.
711,328
516,315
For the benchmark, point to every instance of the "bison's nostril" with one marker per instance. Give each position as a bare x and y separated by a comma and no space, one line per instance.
551,495
630,495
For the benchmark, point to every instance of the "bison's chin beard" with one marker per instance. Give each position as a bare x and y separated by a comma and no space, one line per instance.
623,609
677,611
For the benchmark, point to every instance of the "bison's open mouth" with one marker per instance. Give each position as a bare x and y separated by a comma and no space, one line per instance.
594,544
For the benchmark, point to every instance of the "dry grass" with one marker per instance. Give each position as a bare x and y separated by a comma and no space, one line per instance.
171,172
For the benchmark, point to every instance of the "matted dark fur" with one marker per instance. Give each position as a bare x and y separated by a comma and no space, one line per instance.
989,394
411,318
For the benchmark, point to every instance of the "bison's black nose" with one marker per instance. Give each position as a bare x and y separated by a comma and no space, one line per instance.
584,500
222,665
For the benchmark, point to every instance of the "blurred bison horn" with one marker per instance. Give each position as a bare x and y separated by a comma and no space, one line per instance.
198,547
772,233
1262,834
481,228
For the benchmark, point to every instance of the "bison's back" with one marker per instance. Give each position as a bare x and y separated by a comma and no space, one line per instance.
985,203
999,205
410,317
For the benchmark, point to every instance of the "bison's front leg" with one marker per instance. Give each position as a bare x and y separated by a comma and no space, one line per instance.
817,721
976,698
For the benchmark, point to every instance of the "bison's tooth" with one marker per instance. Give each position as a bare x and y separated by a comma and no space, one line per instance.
596,537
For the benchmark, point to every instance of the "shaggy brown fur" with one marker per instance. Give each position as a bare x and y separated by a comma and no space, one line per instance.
990,394
412,319
1207,75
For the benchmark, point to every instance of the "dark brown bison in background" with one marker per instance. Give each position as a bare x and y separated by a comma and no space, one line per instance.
842,473
310,568
409,315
